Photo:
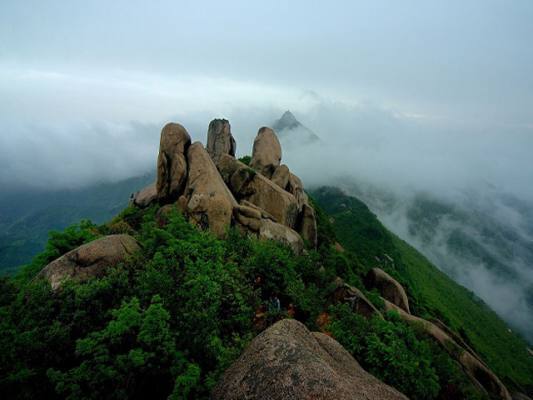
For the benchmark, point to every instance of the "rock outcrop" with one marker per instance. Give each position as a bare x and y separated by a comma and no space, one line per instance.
220,141
358,302
307,225
281,176
389,288
474,368
266,153
248,185
286,361
271,230
296,188
265,194
89,260
215,190
209,202
171,162
144,197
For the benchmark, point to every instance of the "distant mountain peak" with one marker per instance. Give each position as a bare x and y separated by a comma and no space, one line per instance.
288,120
288,127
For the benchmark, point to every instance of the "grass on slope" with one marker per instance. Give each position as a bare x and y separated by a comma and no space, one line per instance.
432,293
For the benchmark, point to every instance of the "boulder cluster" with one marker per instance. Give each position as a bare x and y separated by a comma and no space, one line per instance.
215,190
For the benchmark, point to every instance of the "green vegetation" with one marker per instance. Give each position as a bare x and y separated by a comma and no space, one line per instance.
166,323
432,294
170,320
245,160
415,365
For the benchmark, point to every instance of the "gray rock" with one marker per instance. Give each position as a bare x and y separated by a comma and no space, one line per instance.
171,162
266,153
220,140
144,197
287,362
89,260
209,201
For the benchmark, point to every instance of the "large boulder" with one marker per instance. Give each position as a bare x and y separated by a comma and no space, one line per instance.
307,225
171,162
296,188
480,375
266,152
281,176
286,361
389,288
249,217
352,296
89,260
270,230
209,201
250,186
144,197
270,197
219,139
229,167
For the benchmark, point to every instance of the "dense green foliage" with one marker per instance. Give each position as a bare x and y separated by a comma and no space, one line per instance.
415,365
431,293
170,320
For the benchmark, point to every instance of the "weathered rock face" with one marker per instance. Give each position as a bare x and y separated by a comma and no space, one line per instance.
266,153
89,260
307,225
389,288
358,302
475,369
143,198
270,230
281,176
247,185
249,217
271,198
288,362
209,202
220,140
171,162
296,188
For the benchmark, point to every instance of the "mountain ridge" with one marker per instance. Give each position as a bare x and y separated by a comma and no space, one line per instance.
215,252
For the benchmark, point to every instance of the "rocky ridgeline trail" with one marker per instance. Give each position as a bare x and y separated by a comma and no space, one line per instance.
214,190
395,299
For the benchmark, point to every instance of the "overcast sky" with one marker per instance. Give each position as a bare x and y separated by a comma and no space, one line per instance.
85,86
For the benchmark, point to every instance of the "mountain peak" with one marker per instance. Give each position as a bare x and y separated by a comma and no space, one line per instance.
288,126
289,118
287,121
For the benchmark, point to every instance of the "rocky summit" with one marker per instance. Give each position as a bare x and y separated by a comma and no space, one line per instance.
216,191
